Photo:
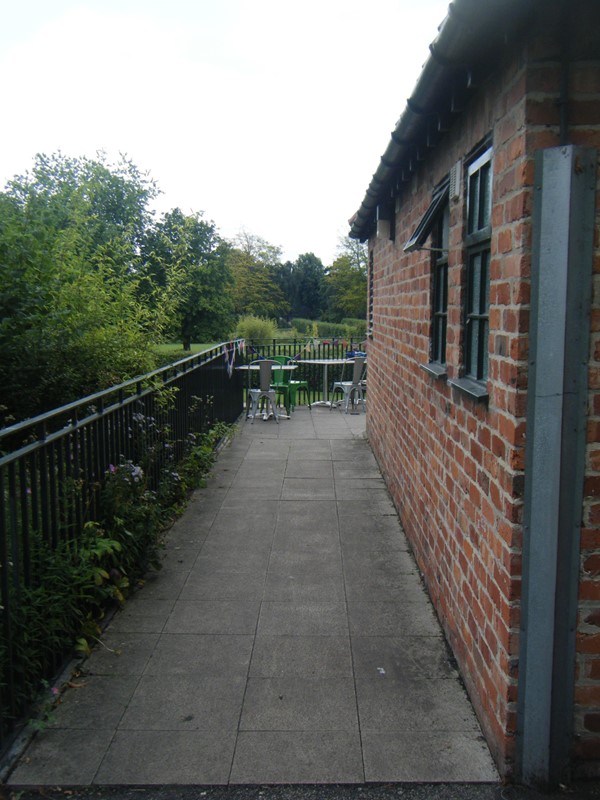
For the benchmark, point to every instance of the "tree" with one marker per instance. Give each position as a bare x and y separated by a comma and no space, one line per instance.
306,286
70,319
254,265
346,282
185,270
107,202
356,251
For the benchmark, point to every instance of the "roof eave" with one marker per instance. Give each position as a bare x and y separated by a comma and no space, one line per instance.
471,33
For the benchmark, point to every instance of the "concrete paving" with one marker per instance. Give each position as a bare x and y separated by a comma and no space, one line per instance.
287,640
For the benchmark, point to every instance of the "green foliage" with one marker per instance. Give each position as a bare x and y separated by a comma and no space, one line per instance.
90,282
306,283
253,264
71,322
334,330
251,327
348,329
346,288
75,582
185,271
303,326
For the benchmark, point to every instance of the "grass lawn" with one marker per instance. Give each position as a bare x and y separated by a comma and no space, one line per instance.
168,353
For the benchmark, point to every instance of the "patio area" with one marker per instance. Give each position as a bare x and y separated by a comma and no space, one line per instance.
288,638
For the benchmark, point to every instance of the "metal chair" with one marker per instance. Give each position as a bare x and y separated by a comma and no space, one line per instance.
264,391
281,383
288,386
353,390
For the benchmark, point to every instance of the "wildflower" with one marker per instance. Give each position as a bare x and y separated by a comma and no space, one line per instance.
137,473
112,469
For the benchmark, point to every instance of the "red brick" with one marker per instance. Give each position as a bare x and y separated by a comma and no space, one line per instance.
434,442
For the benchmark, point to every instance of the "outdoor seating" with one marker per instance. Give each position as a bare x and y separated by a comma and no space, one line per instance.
353,390
265,390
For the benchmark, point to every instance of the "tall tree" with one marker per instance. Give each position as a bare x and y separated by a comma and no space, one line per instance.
357,252
254,265
346,282
185,268
306,286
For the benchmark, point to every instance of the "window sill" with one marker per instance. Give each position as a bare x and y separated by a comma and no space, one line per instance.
478,391
435,370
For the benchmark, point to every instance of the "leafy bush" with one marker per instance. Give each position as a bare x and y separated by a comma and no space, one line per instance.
71,584
303,326
348,329
76,581
357,326
251,327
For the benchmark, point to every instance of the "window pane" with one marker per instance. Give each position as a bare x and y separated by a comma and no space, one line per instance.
475,285
442,353
483,355
485,282
485,195
473,348
439,303
438,350
445,224
473,201
444,273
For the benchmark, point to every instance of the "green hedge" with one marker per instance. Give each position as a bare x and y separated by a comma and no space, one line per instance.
347,329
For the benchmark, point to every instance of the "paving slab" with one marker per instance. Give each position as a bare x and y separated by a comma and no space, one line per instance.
287,641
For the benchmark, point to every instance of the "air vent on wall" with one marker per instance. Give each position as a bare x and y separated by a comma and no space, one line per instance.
456,181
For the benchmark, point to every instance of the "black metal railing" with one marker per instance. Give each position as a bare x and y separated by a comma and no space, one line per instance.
53,467
306,349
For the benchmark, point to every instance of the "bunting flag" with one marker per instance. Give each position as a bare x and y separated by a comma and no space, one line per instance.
307,346
229,356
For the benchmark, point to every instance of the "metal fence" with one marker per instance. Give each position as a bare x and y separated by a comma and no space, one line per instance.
53,467
306,349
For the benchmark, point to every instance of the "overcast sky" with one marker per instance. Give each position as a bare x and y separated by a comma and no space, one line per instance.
266,115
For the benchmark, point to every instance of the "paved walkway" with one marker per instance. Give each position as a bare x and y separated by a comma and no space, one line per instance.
287,639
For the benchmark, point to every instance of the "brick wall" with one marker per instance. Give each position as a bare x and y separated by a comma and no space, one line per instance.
454,466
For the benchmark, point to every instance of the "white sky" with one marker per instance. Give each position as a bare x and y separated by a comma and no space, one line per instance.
266,115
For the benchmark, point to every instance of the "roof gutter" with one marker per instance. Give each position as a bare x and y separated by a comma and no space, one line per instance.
471,33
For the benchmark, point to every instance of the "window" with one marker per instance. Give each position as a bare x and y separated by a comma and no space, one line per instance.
440,288
435,222
429,218
479,207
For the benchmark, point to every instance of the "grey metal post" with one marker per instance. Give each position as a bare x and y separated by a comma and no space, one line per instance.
563,233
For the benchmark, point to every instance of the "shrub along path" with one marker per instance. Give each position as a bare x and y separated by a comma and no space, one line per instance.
288,639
